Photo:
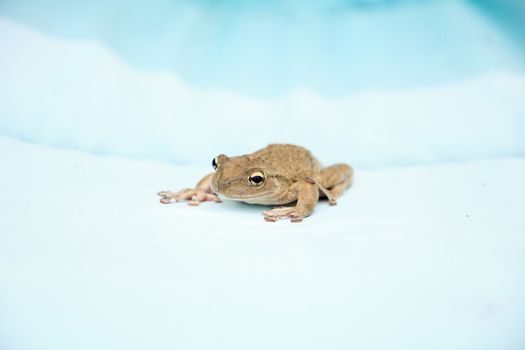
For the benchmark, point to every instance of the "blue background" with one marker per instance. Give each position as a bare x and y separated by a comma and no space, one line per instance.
372,83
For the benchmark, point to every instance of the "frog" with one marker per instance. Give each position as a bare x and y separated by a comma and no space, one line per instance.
283,175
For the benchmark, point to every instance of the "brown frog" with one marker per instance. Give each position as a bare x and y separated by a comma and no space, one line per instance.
275,175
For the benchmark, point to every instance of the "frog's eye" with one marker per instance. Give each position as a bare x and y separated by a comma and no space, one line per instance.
214,164
257,179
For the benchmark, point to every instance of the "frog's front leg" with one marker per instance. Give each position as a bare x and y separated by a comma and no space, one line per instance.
307,194
201,193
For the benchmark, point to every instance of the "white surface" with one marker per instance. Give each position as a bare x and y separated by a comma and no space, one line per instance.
429,257
78,94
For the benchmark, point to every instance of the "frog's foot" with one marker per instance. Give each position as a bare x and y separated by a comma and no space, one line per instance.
193,196
283,213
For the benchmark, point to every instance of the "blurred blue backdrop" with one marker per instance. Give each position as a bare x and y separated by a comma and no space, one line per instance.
266,48
273,60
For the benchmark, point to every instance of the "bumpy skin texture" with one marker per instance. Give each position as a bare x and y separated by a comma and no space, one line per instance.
275,175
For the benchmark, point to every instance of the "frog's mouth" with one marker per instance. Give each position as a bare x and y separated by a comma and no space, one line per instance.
243,198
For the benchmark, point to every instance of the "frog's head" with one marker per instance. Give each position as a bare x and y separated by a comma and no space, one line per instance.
245,179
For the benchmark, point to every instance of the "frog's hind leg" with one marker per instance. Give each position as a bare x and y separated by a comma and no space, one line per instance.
334,180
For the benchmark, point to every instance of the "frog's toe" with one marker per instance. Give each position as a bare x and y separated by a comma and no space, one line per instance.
166,200
278,212
167,197
282,213
295,217
166,194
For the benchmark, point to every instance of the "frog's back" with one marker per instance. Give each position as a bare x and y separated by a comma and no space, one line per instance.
288,160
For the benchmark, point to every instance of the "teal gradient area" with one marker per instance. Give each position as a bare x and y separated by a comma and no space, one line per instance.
267,49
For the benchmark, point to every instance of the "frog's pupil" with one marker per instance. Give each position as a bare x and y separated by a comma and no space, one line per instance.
257,179
214,164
